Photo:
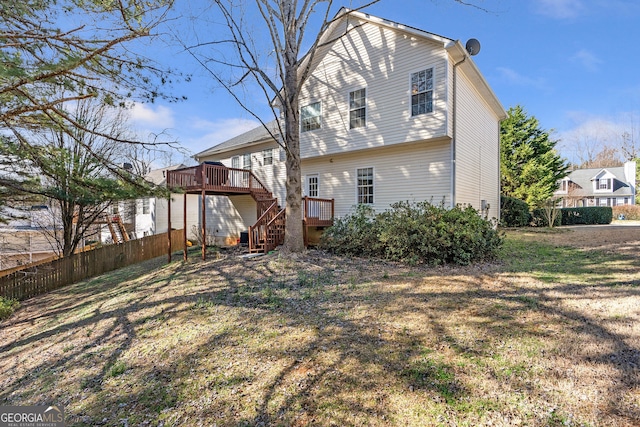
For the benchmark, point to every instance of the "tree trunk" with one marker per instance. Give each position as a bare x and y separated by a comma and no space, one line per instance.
294,238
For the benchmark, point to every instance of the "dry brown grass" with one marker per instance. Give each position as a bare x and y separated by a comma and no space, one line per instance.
547,337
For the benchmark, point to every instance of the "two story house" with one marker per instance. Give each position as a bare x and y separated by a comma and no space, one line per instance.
613,186
389,113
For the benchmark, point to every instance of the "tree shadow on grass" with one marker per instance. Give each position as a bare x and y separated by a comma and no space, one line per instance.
327,341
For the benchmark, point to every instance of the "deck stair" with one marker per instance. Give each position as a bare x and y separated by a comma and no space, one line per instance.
117,229
268,231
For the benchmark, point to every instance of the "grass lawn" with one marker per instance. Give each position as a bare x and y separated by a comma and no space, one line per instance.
547,336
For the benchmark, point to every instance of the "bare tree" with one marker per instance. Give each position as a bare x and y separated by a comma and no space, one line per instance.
70,165
606,157
279,76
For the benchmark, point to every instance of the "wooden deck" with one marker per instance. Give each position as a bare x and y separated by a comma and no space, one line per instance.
216,179
268,232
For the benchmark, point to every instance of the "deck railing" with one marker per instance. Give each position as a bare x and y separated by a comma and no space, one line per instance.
259,232
318,212
216,178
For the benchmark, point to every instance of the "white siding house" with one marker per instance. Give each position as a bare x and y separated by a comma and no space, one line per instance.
611,186
389,113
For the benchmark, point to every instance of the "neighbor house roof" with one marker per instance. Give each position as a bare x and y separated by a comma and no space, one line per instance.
584,178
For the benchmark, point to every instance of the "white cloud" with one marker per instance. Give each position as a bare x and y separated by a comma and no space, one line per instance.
588,60
587,133
146,115
216,131
513,77
559,9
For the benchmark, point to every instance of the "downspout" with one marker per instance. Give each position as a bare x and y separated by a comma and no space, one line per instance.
454,136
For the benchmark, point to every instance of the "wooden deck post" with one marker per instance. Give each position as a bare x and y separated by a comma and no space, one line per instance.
168,227
184,227
204,226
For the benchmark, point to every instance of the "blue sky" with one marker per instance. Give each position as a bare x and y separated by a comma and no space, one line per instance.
571,63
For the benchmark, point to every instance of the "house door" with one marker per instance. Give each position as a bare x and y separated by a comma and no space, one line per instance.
312,190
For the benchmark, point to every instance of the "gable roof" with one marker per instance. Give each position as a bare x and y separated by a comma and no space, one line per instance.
584,178
458,53
254,136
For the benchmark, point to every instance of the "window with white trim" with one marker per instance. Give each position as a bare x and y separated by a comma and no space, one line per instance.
235,162
422,92
310,116
365,186
604,184
267,157
357,108
312,185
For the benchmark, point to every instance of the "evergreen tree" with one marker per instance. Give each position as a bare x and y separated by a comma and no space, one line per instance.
530,167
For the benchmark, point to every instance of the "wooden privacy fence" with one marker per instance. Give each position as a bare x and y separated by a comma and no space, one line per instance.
41,278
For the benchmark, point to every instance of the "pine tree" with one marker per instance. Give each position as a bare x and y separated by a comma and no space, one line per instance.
530,167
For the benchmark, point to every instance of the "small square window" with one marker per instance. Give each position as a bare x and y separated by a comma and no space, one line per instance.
310,117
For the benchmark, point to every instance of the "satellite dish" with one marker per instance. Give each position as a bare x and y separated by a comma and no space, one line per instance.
473,47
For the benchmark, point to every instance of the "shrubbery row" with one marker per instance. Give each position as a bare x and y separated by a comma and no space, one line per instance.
631,212
415,233
515,213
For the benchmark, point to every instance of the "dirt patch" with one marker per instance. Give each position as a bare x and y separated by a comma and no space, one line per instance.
620,238
547,336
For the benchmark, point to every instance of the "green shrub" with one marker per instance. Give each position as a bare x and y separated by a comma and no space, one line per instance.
513,212
587,215
630,212
539,218
7,307
352,234
415,233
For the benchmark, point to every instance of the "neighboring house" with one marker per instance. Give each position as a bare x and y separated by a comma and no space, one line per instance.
389,113
26,236
613,186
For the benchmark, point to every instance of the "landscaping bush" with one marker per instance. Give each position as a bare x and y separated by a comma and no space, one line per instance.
630,212
7,307
587,215
352,234
513,212
539,218
415,233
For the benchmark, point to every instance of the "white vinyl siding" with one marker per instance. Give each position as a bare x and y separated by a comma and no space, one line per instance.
382,60
412,172
477,150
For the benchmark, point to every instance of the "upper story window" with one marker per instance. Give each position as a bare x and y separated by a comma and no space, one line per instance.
357,108
365,186
267,157
310,117
145,206
604,184
422,92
